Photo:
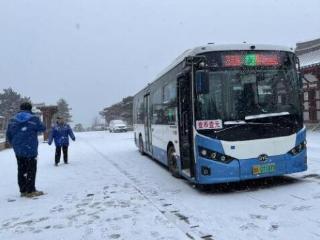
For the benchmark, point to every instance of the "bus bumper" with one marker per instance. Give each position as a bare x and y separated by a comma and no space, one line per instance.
211,172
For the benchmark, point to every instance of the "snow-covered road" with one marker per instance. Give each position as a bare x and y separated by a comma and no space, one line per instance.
110,191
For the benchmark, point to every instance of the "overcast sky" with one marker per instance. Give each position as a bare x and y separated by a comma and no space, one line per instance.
95,52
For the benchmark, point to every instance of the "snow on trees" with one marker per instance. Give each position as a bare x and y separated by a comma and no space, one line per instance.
63,110
10,102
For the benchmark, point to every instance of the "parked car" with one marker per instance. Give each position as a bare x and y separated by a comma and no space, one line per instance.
118,126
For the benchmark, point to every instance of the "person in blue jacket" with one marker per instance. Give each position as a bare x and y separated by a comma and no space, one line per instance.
60,133
22,135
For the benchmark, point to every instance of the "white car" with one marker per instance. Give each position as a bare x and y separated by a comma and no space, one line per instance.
117,126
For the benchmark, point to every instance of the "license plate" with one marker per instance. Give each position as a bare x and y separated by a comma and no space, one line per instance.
264,168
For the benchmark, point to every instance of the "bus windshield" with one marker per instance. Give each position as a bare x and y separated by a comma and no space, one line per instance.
238,95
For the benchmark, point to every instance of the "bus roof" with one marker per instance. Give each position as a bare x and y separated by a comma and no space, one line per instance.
223,47
234,47
239,47
219,47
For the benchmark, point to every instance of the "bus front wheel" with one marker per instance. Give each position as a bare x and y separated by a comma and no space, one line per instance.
173,162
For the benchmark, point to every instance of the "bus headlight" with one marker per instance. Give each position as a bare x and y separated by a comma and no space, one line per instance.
203,152
298,149
216,156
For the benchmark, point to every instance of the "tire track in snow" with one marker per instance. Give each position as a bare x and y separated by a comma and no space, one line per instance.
179,220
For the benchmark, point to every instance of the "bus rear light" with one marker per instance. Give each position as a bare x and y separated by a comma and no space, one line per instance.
298,149
215,156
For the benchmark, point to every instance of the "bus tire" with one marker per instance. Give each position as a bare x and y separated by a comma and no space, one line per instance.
141,147
172,162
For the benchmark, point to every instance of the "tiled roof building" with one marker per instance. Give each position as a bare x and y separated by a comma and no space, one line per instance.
309,55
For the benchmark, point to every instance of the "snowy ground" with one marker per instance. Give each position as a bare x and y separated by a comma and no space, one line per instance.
109,191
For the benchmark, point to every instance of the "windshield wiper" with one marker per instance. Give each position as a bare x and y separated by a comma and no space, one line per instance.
242,122
265,115
239,123
234,122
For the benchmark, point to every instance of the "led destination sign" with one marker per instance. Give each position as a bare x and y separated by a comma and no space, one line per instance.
250,60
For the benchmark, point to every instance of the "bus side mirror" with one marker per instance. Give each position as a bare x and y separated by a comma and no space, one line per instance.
301,79
202,82
301,75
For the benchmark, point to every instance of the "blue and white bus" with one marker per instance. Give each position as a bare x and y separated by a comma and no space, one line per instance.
225,113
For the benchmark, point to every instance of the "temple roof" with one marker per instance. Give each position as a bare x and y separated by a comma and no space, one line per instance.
309,53
310,59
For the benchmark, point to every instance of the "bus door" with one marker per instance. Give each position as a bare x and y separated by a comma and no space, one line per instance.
186,126
147,124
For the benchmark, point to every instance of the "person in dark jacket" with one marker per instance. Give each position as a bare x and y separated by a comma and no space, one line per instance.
22,135
60,133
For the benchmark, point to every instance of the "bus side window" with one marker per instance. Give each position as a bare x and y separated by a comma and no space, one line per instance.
140,113
157,113
169,103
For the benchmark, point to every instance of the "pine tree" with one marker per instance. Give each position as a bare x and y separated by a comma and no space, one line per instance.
64,110
121,110
10,103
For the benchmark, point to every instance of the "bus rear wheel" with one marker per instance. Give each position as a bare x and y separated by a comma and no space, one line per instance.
173,162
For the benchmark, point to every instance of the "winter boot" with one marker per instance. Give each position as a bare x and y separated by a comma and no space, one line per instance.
23,194
34,194
38,193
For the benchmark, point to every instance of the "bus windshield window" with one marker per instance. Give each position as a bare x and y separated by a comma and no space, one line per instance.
235,94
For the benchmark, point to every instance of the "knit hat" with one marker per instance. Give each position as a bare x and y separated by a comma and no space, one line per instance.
26,106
